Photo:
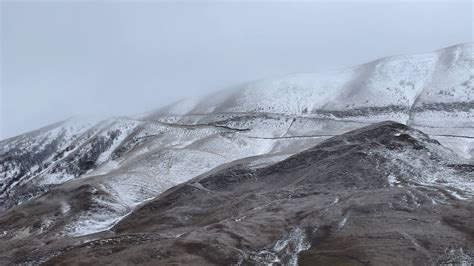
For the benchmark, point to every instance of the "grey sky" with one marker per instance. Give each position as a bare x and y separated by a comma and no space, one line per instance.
61,59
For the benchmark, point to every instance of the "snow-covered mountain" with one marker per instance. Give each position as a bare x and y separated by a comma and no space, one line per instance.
97,173
400,82
433,92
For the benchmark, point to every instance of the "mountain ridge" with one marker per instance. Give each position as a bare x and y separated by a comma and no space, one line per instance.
365,197
134,159
465,48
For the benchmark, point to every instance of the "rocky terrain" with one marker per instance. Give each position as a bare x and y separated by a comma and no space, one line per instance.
382,194
258,174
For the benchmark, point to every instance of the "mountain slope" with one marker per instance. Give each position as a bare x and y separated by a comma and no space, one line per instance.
433,92
383,194
402,82
119,163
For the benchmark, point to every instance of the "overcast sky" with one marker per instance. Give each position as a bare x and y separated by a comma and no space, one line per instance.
60,59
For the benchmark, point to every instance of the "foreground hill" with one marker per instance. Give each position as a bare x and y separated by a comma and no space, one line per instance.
382,194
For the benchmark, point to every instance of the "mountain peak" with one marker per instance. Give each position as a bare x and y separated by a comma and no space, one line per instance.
391,81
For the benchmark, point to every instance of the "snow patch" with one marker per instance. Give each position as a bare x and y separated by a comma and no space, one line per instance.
342,223
65,207
285,251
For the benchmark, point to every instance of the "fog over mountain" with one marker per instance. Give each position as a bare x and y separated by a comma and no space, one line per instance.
367,165
237,133
65,58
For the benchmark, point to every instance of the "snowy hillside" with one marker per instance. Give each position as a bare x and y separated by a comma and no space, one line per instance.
102,171
433,92
399,82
